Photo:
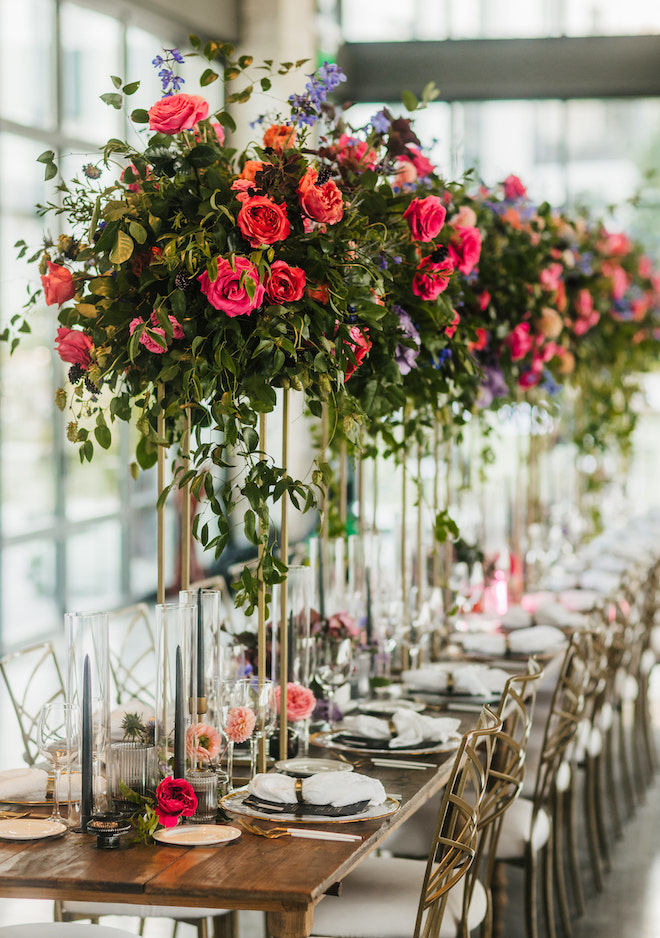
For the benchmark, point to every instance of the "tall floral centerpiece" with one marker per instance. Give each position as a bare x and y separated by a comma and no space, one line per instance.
195,280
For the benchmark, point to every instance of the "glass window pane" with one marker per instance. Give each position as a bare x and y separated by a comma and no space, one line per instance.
27,59
611,17
91,53
29,607
93,564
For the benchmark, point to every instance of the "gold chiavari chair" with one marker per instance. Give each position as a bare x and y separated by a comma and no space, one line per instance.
382,899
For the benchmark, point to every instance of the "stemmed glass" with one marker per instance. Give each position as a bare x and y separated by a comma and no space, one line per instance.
334,659
262,694
237,717
58,728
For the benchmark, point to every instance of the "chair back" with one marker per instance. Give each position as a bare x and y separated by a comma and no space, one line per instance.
132,654
33,678
457,829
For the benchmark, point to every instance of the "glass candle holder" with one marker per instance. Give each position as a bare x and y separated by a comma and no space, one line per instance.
205,785
135,765
176,686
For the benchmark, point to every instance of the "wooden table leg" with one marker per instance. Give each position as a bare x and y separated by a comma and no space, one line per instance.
294,924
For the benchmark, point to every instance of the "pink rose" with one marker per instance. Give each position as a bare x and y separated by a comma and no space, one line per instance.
263,221
483,299
423,165
58,285
405,173
432,277
360,347
616,243
584,304
453,326
618,276
551,277
174,797
300,701
285,283
73,347
177,112
177,331
519,341
513,188
227,292
465,217
219,132
322,203
147,340
425,217
355,154
465,248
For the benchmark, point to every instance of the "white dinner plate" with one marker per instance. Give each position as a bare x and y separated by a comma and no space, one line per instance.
197,835
331,741
388,707
25,828
302,768
233,803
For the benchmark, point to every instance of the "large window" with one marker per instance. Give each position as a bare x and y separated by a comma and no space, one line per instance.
71,536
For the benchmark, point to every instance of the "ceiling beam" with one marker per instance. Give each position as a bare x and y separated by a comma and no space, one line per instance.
510,69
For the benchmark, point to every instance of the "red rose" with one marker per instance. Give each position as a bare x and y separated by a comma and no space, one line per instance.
58,285
280,137
359,346
513,188
465,248
228,291
519,341
142,259
319,292
263,221
73,347
425,217
285,283
323,203
432,277
177,112
174,797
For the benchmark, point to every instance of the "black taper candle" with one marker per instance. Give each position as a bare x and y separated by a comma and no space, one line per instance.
86,777
179,721
201,683
370,620
291,648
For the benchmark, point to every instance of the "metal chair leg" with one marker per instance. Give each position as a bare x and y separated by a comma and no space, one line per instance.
531,893
558,862
624,765
599,808
610,784
547,882
591,825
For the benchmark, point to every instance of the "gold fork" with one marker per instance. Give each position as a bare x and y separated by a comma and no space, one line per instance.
273,833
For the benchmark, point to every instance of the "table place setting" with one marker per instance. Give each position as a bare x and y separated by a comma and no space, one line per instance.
533,640
406,729
457,680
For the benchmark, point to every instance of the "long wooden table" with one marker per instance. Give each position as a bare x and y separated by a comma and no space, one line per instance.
285,878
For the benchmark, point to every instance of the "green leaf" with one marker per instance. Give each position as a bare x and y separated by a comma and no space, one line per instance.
146,454
245,61
115,81
138,233
123,249
51,170
113,100
131,88
103,437
250,527
409,100
140,116
46,157
208,77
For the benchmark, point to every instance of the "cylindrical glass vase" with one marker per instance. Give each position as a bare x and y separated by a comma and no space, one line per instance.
205,786
176,687
134,764
300,646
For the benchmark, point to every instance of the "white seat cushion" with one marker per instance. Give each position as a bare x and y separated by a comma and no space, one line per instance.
94,909
515,832
379,900
62,930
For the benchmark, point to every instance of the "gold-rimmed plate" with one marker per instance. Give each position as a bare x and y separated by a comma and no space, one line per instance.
31,828
336,740
233,803
197,835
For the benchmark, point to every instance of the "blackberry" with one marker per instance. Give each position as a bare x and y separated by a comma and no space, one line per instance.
91,387
75,373
440,253
324,175
181,282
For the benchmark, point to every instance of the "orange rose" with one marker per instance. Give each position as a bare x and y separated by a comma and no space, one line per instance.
280,137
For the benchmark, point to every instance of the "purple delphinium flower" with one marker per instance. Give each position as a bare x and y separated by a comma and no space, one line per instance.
492,386
306,108
404,355
380,122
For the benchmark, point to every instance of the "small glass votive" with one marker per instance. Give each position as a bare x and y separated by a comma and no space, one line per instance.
205,786
108,829
134,764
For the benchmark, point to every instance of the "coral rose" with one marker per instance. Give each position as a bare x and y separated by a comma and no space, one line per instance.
263,221
228,291
58,284
423,165
425,217
280,137
177,112
73,347
251,168
322,203
360,347
550,323
465,248
355,154
285,283
465,217
405,174
318,292
432,277
300,701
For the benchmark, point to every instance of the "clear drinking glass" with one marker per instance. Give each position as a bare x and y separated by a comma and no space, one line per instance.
58,733
334,660
236,715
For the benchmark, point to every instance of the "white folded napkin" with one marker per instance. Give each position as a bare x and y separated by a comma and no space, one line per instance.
538,638
532,601
578,600
474,680
331,788
602,581
486,643
557,614
411,728
23,785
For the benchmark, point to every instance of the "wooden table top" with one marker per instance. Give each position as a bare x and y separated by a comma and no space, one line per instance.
284,877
